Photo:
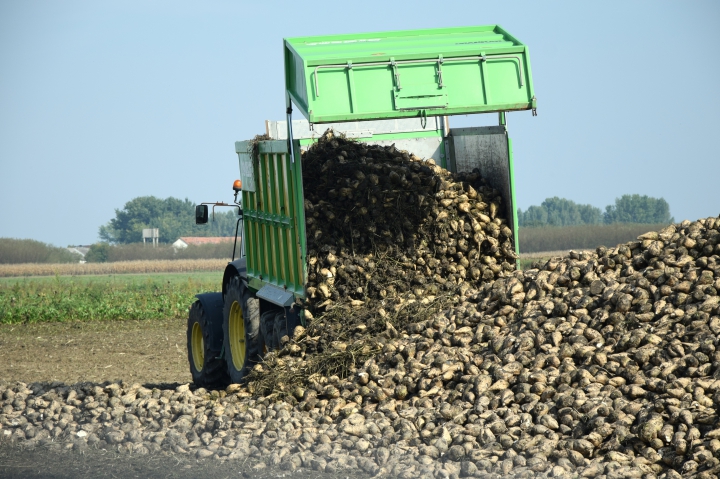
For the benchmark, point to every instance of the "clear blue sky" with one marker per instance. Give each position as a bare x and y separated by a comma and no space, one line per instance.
103,101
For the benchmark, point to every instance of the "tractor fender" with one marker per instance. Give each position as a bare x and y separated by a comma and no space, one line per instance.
234,268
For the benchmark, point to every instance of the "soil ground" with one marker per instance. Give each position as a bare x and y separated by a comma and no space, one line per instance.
146,352
42,463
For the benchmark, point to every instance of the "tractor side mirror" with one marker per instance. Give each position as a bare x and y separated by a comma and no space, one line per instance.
201,214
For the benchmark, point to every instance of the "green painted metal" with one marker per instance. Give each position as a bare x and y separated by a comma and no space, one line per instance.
274,226
408,73
511,175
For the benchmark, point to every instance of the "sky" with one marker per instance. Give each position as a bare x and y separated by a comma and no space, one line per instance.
102,102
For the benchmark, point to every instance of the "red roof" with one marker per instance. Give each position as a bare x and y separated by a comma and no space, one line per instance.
198,240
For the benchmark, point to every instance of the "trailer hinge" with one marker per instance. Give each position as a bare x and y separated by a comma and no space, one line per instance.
439,71
393,64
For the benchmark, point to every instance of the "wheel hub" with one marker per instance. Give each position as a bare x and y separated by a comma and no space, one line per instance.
236,333
198,347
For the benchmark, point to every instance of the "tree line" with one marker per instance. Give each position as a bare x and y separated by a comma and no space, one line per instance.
15,251
173,217
107,253
627,209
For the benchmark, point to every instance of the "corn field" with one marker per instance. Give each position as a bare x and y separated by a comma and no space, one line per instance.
120,267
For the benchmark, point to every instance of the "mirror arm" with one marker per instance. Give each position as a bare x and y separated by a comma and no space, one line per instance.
218,203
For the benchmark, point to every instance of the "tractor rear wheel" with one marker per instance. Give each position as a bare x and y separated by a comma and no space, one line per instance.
204,344
241,328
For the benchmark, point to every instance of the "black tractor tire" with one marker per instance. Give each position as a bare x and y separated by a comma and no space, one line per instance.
204,346
241,328
273,326
280,329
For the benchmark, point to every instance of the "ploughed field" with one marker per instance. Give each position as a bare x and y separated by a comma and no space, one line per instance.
595,364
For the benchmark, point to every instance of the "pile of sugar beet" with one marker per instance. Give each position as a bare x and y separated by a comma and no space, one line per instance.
391,239
387,230
426,354
603,363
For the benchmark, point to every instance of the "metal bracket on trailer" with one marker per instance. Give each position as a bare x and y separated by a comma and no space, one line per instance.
276,296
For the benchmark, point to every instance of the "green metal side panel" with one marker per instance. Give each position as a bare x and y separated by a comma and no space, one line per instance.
511,169
408,73
274,213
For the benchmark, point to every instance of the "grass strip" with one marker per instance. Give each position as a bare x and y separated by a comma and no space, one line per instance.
115,298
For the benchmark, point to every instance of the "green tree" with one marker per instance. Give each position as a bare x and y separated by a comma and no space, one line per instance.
173,217
98,253
534,216
638,209
559,212
590,215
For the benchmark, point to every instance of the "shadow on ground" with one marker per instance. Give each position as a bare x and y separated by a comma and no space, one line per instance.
18,463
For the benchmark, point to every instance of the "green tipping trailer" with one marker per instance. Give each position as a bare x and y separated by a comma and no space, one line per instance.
404,74
396,87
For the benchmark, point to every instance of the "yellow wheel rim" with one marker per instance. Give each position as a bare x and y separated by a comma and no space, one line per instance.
197,343
236,333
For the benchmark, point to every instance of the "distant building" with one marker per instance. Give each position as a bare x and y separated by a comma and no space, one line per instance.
80,250
185,241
